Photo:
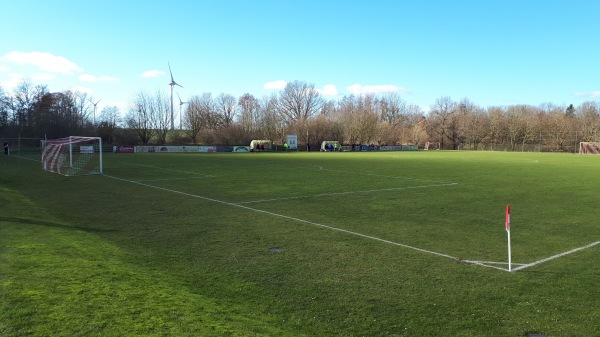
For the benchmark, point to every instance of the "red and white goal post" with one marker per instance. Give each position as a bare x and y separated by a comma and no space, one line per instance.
73,155
589,148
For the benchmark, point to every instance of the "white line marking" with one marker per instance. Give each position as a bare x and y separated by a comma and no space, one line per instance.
345,193
479,263
556,256
287,217
168,169
184,178
373,175
491,262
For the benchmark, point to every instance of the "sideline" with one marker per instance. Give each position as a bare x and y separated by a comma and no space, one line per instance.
556,256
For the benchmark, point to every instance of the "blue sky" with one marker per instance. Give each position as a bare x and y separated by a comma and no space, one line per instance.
491,52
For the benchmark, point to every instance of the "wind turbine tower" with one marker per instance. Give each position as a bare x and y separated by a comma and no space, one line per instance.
172,84
180,114
95,105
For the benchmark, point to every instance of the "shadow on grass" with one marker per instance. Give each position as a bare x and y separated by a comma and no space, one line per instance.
26,221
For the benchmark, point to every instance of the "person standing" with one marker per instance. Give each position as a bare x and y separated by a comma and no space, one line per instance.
5,148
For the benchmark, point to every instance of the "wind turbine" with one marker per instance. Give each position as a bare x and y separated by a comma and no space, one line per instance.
180,104
95,104
172,84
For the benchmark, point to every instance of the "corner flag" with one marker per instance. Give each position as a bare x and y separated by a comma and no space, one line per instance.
508,234
508,218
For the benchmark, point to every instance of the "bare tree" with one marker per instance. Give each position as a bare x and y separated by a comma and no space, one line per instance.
83,106
109,120
411,126
360,118
495,132
392,108
558,127
5,102
192,119
140,118
459,130
226,108
249,107
210,117
513,129
26,98
439,123
299,101
270,121
160,106
589,117
201,116
530,126
328,108
475,125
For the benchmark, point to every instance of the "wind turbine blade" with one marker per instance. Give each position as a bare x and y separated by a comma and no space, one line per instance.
170,72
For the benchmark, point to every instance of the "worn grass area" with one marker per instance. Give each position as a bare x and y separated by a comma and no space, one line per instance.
301,244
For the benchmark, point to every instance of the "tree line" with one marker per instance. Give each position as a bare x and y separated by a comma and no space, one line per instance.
387,119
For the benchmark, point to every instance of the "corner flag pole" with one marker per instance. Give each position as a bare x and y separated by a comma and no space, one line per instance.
508,232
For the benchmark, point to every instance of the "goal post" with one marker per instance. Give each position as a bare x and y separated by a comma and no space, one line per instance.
72,156
589,148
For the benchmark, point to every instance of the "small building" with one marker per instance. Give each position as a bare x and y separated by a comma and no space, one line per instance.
331,145
261,145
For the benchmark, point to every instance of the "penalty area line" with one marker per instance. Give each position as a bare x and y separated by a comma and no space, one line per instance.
346,193
183,178
287,217
170,169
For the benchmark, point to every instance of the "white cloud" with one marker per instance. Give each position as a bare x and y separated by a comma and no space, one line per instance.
45,61
4,69
44,77
593,94
108,78
81,89
328,90
279,84
152,73
13,81
358,89
88,78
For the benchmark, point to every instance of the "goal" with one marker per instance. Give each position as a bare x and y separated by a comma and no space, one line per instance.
431,146
73,155
589,148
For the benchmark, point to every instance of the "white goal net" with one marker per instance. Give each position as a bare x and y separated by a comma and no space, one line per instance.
73,155
589,148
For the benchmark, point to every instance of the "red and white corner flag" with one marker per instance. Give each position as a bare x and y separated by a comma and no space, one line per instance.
508,236
508,218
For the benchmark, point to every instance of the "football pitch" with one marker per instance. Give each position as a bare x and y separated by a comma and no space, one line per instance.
302,244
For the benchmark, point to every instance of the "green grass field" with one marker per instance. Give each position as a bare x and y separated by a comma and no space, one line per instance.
302,244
